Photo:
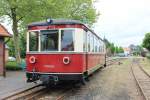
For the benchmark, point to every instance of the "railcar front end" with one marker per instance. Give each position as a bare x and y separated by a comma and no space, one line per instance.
61,50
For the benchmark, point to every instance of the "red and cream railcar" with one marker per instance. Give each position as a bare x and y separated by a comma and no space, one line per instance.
62,50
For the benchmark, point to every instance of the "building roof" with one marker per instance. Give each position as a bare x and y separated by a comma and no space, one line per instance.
4,32
126,49
55,22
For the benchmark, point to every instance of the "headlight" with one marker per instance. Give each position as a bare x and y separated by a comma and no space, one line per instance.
32,59
66,60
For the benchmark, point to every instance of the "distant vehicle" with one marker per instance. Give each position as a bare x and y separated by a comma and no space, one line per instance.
121,54
11,59
60,50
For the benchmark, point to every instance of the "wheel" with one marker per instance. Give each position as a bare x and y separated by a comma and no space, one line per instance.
104,65
83,80
87,79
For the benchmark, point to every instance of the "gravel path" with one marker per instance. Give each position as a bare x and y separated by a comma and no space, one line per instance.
113,83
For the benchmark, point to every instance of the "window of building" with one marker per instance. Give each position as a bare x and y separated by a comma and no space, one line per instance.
49,40
67,41
33,41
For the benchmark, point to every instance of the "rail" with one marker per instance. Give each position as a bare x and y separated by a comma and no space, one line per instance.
26,94
142,79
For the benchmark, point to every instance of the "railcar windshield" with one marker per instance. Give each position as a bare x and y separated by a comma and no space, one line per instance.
67,42
33,41
49,40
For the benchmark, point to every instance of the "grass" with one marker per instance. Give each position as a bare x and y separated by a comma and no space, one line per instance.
12,65
148,56
126,61
146,65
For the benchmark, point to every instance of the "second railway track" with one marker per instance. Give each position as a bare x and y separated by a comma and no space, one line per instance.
142,78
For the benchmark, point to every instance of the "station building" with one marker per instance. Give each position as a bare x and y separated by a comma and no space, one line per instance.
3,34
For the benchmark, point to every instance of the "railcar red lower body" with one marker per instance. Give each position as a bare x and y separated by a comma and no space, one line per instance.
70,66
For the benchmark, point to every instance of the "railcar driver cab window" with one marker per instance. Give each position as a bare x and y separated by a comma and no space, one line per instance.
33,39
49,40
67,43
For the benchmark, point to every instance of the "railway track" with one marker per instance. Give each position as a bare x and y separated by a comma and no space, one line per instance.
112,61
142,79
58,92
27,94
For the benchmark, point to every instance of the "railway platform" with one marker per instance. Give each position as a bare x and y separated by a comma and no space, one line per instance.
14,82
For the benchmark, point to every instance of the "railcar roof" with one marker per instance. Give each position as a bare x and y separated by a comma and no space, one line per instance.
55,22
61,22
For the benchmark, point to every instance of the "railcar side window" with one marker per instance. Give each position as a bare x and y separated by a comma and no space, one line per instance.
88,43
67,41
49,40
91,43
96,45
100,46
33,41
84,41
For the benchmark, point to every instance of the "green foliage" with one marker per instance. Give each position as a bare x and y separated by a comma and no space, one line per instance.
116,49
113,49
23,45
35,10
148,55
120,50
23,12
146,41
11,48
12,65
107,43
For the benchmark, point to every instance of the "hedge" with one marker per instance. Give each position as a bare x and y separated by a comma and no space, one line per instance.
12,65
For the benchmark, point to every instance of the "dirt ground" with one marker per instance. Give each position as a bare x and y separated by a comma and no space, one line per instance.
115,82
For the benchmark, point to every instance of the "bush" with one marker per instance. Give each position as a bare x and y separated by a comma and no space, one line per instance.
12,65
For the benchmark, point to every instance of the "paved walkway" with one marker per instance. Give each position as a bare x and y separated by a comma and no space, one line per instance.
14,81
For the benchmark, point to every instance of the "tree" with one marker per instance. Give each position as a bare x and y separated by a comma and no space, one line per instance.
121,50
107,43
22,12
116,49
111,48
11,48
146,41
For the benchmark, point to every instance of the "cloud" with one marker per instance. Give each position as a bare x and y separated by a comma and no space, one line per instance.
126,20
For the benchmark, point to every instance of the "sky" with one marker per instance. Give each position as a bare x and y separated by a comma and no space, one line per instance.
123,22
